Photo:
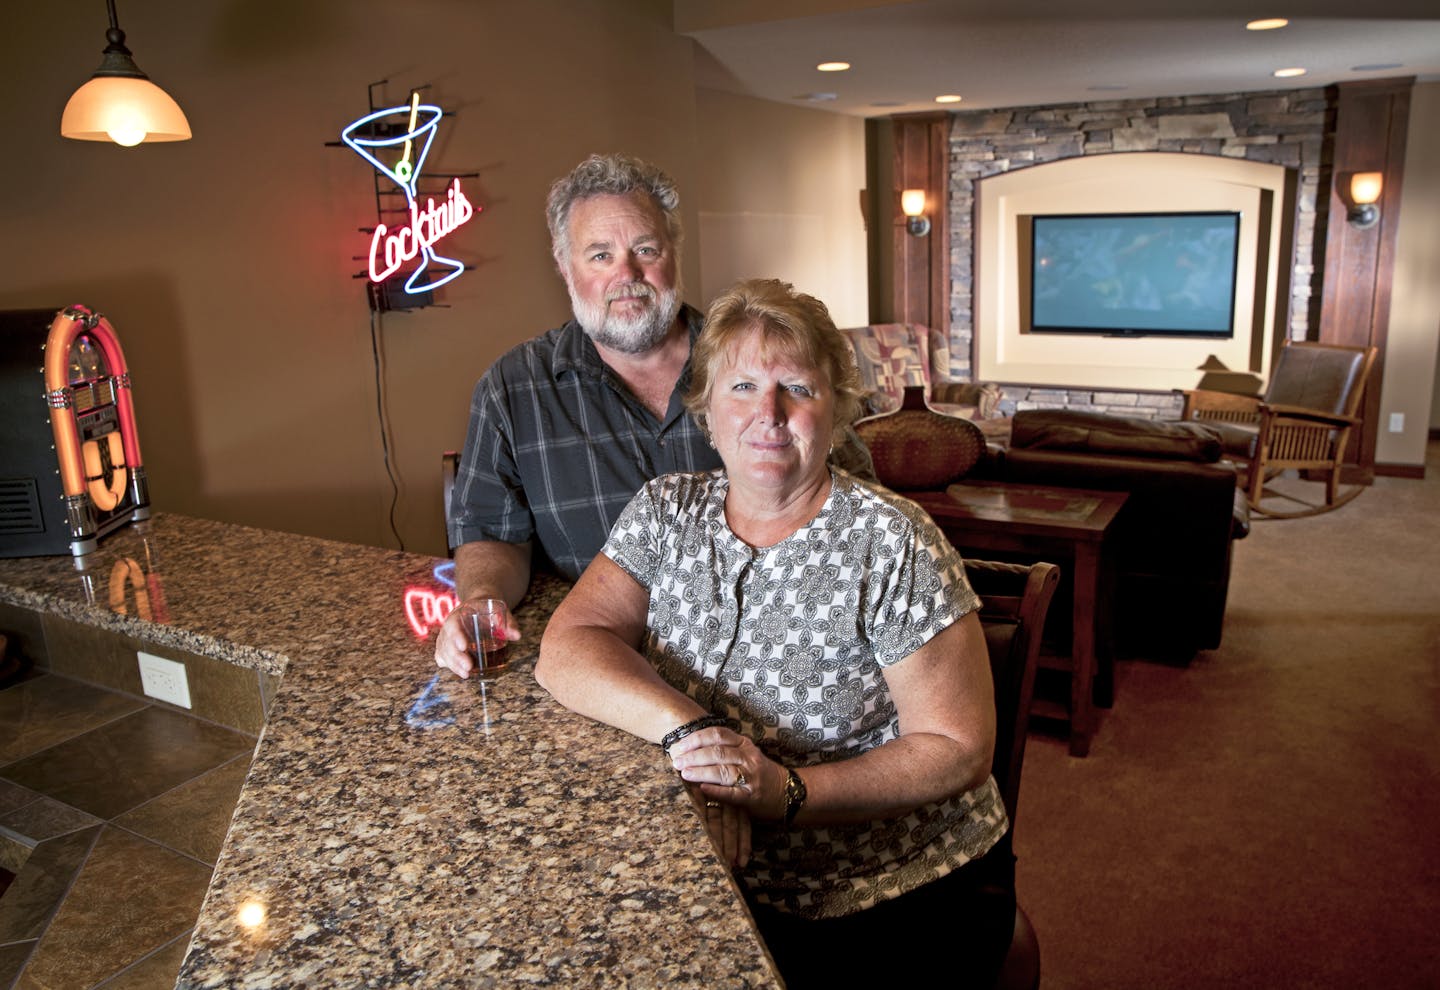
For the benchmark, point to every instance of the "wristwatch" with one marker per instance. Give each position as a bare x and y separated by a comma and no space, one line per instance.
794,796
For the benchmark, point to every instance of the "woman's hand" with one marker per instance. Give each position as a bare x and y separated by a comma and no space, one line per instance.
728,825
729,768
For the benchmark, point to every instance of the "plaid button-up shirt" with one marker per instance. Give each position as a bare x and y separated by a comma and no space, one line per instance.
557,446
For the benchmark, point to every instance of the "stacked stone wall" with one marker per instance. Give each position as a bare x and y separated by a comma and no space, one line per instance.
1289,128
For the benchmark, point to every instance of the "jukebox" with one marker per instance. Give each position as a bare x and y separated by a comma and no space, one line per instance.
70,468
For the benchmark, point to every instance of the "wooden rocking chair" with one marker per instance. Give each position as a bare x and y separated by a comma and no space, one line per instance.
1303,422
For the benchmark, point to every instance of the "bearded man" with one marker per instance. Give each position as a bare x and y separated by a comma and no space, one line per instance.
567,427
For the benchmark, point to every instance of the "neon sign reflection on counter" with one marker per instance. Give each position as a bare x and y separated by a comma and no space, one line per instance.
426,608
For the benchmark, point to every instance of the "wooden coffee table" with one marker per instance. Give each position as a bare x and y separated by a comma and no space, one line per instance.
1066,526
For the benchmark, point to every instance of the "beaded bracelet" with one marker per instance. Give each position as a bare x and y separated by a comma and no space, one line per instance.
703,722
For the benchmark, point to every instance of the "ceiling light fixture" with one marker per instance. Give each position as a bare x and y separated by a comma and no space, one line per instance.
1266,24
120,103
833,66
1288,73
947,98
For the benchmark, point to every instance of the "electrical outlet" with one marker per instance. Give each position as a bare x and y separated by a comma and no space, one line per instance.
1397,422
164,680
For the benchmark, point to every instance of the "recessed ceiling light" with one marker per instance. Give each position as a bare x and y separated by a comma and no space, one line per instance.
816,97
1266,24
833,66
1287,73
947,98
887,103
1377,67
1106,88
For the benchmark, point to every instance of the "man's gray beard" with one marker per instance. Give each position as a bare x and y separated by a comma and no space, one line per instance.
629,334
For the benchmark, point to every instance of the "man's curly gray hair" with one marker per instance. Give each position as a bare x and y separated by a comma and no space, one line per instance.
613,175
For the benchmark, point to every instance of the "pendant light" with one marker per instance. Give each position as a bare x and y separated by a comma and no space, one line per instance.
120,103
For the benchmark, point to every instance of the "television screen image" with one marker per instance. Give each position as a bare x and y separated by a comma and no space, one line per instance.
1134,273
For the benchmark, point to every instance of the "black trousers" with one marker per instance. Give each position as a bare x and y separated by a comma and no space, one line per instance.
952,932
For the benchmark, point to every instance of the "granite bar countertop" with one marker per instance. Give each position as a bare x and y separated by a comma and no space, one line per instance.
400,827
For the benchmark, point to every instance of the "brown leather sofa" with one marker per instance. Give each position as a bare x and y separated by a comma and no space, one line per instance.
1172,541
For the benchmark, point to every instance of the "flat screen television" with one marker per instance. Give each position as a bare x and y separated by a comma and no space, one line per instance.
1134,274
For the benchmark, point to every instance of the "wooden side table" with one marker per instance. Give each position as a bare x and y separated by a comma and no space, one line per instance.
1060,525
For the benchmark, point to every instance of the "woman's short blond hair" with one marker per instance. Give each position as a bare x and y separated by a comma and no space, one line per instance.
793,325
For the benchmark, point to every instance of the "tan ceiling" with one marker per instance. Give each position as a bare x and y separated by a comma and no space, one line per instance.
1006,53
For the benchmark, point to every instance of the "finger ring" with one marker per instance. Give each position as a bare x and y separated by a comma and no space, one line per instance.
712,804
739,779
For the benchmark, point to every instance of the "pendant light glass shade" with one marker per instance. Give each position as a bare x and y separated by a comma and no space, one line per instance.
124,110
120,103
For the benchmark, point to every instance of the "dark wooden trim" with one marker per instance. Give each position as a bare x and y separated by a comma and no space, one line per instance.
1415,471
1371,119
922,269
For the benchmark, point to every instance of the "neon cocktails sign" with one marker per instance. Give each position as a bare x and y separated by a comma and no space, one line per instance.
391,248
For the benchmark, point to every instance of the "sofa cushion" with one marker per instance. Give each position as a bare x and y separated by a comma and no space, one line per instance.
1236,439
970,400
940,369
1102,433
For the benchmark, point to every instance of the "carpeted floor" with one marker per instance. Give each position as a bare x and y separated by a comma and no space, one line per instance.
1268,816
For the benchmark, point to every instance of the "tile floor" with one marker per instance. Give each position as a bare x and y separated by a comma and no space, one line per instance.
112,813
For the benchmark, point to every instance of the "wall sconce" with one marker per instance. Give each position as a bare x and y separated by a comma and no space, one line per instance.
120,103
912,204
1365,190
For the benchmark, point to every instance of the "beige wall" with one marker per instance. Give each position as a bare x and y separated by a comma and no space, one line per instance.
225,262
1410,385
779,196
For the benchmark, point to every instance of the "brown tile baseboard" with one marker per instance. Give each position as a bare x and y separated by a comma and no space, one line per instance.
1415,471
221,692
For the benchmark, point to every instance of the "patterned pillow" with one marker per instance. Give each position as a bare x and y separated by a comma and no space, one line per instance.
939,356
891,356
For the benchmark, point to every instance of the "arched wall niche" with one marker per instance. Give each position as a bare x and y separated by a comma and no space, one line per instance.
1263,195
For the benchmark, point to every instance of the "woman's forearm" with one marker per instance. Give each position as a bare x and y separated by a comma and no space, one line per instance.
891,780
590,663
884,782
591,672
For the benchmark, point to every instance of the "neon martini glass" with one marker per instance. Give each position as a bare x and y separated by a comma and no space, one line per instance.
423,119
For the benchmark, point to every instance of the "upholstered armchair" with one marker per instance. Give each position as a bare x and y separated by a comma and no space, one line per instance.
892,356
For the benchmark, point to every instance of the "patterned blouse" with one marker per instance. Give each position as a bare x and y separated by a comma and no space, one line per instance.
791,642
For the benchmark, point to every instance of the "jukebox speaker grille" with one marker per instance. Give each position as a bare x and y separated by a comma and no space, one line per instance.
92,394
20,506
